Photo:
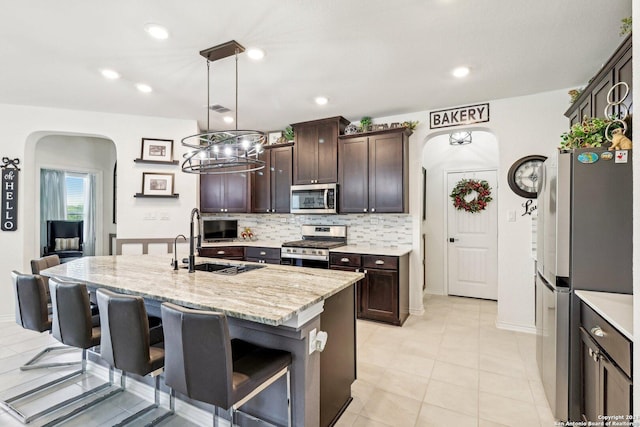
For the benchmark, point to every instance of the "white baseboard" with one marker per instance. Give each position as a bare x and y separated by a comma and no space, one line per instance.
516,327
417,312
7,318
183,409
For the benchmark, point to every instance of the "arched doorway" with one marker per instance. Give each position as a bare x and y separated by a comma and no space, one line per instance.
439,159
87,164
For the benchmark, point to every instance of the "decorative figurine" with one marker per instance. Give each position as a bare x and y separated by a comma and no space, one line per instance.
619,141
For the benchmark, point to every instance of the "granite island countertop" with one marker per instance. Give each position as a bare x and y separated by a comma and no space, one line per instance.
271,295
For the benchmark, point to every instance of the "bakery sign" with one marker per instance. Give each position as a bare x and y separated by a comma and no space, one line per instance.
9,219
459,116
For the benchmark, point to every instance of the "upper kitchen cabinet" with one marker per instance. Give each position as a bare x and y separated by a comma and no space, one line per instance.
315,159
271,186
373,172
593,100
225,193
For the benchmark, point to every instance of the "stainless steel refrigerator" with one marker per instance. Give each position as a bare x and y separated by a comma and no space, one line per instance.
584,238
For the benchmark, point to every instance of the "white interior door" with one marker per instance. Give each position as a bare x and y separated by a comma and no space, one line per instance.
472,242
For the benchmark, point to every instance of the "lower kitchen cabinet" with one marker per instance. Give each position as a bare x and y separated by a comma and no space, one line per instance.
262,255
235,253
606,387
383,294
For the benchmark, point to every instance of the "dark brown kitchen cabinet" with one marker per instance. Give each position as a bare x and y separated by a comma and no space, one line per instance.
315,153
235,253
373,172
593,100
383,294
262,255
606,388
271,186
225,193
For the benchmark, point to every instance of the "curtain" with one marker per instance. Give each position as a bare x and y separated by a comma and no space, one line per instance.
90,215
53,199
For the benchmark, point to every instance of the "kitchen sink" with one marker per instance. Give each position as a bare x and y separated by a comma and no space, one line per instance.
221,268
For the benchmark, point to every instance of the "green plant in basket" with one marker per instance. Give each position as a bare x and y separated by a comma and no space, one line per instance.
590,132
288,133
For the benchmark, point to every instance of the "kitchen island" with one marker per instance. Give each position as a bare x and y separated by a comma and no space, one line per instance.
275,306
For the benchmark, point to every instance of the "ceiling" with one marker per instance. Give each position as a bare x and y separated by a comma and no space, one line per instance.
369,57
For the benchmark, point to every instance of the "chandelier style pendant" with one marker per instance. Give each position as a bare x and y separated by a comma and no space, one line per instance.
227,151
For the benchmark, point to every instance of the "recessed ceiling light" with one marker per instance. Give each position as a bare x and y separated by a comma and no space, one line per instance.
321,100
157,31
255,53
144,88
228,119
110,74
460,72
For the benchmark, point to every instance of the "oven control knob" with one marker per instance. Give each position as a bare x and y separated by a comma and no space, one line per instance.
304,251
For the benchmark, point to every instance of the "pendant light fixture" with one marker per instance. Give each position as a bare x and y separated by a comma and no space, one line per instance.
226,151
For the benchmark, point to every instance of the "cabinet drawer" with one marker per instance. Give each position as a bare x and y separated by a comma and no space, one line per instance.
380,262
222,252
616,345
260,252
348,260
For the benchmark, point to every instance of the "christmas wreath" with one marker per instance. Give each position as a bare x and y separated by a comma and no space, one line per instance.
467,186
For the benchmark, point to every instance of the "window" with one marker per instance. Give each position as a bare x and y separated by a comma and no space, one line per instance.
75,185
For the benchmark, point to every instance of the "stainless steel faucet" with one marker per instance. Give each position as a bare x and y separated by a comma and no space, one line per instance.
175,250
192,249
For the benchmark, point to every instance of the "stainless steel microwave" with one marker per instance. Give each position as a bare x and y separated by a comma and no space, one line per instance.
314,199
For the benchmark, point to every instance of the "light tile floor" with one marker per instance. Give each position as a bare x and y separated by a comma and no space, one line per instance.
449,367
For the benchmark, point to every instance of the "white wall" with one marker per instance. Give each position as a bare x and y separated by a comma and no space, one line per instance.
24,126
87,155
522,126
438,157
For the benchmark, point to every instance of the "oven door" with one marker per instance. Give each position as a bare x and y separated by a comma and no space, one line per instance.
299,262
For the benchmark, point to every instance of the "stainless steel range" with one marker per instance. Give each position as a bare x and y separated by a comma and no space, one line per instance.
313,249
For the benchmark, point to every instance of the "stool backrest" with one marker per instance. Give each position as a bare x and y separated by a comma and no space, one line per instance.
31,302
39,264
198,360
125,331
71,313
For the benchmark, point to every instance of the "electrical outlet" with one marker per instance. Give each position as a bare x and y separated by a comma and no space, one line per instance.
312,340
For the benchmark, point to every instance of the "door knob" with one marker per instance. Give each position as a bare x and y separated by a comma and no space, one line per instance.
451,240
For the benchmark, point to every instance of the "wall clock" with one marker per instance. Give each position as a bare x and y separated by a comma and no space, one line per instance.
523,176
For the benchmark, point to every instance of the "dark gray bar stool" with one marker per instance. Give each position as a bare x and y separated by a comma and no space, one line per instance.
129,345
205,364
73,326
32,312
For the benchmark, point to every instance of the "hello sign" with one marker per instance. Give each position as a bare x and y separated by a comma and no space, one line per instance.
9,219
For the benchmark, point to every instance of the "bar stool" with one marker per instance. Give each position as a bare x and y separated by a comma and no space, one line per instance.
39,264
197,341
73,326
129,345
32,312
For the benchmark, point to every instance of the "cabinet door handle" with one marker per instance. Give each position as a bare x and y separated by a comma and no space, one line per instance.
379,262
263,253
344,260
273,210
597,331
267,210
365,209
373,209
221,210
364,271
220,252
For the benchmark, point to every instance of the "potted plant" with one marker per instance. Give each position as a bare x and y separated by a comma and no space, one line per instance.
288,133
365,124
590,132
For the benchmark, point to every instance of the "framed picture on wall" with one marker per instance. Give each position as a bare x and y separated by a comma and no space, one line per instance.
157,150
274,136
157,184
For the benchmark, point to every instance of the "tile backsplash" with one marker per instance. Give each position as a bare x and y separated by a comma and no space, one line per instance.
384,230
